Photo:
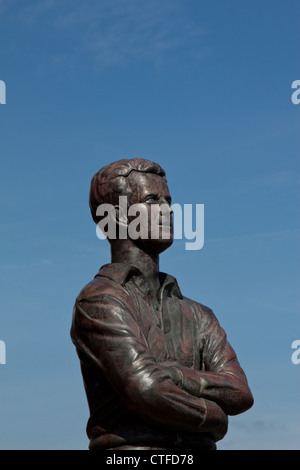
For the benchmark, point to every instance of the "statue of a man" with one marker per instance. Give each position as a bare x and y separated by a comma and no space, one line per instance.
157,368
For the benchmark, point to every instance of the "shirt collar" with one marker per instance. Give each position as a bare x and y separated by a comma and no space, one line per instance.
121,273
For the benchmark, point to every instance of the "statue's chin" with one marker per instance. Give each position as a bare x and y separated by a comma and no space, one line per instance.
154,247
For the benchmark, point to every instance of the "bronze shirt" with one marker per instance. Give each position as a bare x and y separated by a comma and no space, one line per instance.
158,370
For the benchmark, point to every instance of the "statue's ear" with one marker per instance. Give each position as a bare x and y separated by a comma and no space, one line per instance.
121,216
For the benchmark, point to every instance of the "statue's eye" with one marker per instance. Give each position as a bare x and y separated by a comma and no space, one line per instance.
151,199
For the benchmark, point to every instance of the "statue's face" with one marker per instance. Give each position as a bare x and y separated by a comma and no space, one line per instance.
150,193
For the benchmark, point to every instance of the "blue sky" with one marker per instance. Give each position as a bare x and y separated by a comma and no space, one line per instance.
203,88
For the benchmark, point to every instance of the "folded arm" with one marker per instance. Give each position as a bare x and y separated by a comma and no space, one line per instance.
221,379
104,330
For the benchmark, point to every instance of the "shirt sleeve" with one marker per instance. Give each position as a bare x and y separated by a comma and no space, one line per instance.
106,333
221,380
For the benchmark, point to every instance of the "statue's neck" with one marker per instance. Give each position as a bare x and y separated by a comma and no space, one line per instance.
125,251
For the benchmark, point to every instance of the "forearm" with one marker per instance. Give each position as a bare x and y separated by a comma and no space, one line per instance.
229,391
163,403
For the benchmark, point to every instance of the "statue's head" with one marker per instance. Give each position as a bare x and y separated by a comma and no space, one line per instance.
142,185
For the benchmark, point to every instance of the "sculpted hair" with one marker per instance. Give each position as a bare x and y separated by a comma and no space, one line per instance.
111,181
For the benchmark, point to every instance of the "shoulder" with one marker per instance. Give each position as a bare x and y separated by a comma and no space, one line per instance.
102,290
102,303
98,286
110,280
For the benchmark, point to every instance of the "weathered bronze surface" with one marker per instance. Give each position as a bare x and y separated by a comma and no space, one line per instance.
157,368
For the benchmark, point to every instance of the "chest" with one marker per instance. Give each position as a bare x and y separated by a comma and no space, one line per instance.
170,329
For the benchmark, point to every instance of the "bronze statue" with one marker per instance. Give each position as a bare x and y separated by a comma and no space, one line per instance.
157,368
